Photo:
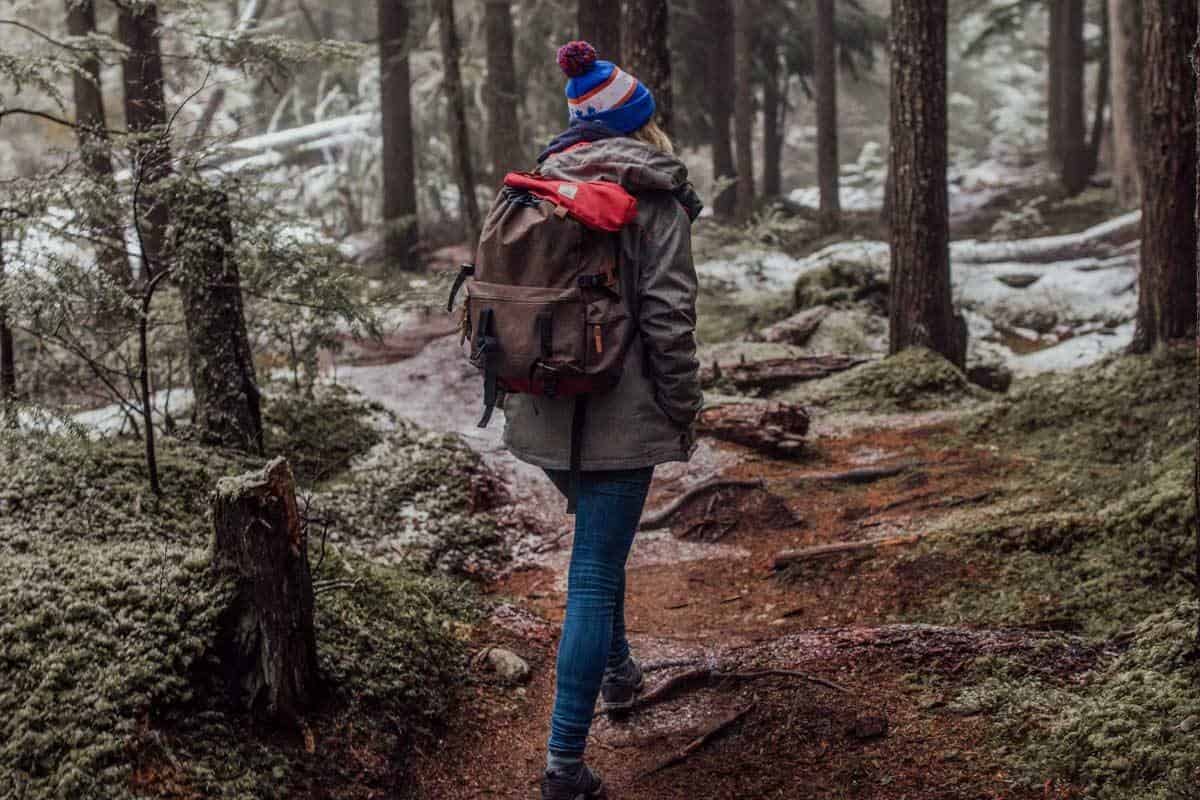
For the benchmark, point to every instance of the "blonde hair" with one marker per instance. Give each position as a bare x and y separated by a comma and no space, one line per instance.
654,136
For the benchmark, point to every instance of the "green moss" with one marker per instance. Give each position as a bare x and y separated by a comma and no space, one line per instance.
915,379
838,283
415,495
108,610
320,437
1128,731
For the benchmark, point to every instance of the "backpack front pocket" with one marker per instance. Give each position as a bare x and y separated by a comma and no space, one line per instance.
527,327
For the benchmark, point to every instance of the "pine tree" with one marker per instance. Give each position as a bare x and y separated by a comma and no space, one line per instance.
1073,165
91,128
646,51
825,74
743,107
1167,279
500,89
921,310
399,163
774,115
460,137
146,118
599,22
1125,56
719,21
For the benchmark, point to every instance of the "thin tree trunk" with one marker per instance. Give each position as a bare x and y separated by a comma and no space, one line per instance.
1054,74
1073,164
500,90
227,408
743,107
95,148
460,137
774,104
1196,465
1103,90
647,53
399,161
146,117
599,22
1167,280
267,643
825,80
719,19
921,311
1125,56
8,370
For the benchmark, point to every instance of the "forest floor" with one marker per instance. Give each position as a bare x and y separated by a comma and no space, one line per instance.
885,729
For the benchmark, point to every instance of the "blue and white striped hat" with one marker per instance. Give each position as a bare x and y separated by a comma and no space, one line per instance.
603,92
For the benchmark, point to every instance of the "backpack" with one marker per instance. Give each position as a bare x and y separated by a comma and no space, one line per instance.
546,313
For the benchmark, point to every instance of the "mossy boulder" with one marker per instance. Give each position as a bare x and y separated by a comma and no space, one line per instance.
841,282
915,379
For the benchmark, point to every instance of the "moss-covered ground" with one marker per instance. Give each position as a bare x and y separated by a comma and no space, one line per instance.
1091,535
108,610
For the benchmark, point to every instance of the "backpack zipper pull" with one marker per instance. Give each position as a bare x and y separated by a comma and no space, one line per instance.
599,341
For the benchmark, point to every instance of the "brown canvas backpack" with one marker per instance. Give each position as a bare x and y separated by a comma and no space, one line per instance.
546,313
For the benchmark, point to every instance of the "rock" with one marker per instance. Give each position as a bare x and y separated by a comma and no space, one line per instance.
1190,724
840,282
993,377
1019,280
507,665
867,728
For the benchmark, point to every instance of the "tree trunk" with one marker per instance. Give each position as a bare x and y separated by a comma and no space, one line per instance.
146,117
227,401
743,107
825,81
1125,60
267,645
599,22
647,52
500,90
774,105
1167,280
921,311
399,162
8,371
1103,90
1196,465
719,18
94,147
1073,161
456,103
1054,73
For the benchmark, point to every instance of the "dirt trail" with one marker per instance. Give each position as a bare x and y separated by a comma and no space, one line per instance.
695,603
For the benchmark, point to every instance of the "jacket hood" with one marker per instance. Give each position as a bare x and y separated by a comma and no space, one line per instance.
636,166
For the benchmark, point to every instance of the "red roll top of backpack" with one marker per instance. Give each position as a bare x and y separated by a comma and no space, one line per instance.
600,205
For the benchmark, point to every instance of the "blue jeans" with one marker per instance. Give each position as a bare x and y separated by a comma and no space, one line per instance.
608,509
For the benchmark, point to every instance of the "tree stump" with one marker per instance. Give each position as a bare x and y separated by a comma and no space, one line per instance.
267,644
777,429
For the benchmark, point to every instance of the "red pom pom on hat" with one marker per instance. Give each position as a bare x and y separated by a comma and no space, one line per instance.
576,58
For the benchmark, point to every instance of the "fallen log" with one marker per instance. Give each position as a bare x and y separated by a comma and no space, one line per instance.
790,558
656,519
1101,240
774,428
266,641
777,373
797,329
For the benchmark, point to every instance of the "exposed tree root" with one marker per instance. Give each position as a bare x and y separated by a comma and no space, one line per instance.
777,429
684,681
656,519
703,739
790,558
860,475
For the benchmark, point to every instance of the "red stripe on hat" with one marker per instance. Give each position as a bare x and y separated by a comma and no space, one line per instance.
597,89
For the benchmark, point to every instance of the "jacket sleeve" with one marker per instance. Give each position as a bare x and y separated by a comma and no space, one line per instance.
667,306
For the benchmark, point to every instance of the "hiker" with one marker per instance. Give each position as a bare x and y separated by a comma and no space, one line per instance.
643,340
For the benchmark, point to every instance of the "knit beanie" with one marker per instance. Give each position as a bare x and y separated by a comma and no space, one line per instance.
601,91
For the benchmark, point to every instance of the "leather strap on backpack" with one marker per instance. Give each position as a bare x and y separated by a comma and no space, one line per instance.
578,419
486,345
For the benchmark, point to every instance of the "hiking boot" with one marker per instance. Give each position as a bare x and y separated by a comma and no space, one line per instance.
622,685
583,785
